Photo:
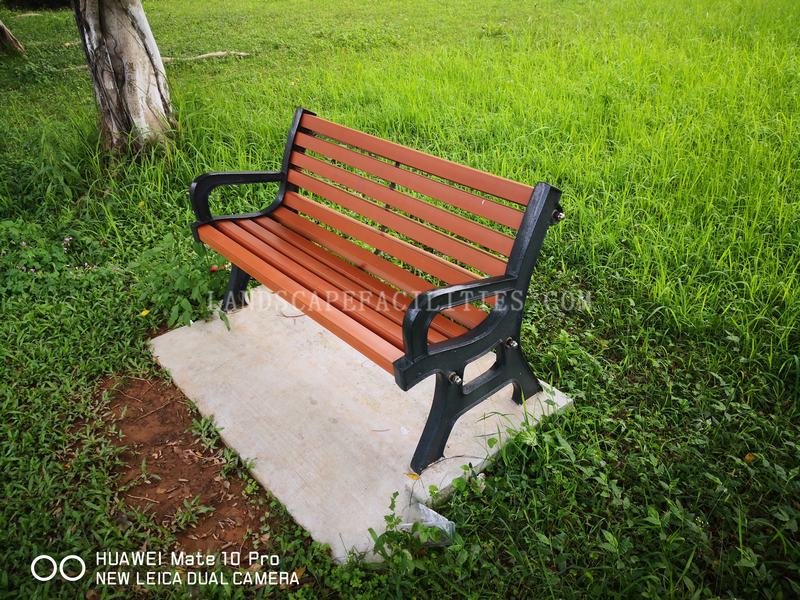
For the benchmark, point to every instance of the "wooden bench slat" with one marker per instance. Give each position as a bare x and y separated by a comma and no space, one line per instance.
324,255
408,253
452,247
361,338
344,301
405,280
381,304
440,167
414,207
361,278
455,223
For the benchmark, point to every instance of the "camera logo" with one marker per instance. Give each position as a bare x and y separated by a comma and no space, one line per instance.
58,568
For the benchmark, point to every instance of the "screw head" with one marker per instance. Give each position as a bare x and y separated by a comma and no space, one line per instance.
558,216
455,379
512,343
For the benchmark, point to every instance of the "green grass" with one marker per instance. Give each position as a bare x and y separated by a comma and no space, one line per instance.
674,131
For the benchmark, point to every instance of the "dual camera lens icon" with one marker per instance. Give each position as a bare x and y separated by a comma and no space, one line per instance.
58,568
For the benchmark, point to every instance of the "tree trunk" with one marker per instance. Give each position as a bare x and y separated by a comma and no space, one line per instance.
8,42
130,83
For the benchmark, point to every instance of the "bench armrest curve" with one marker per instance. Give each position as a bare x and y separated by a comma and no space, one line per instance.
202,186
427,305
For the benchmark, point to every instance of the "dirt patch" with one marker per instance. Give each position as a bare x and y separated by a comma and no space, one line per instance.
171,476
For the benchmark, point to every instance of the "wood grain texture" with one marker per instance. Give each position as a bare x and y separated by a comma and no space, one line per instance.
370,344
478,180
421,233
464,227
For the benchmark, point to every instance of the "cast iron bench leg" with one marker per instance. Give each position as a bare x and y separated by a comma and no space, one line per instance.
452,398
236,294
526,384
447,399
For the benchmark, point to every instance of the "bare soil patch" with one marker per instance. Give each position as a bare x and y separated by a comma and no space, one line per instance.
153,418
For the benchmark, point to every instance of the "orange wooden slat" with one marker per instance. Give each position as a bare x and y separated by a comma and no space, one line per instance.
340,324
343,300
466,228
417,208
381,304
408,253
405,280
452,247
466,176
366,280
326,256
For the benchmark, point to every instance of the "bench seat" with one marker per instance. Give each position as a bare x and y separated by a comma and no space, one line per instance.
283,250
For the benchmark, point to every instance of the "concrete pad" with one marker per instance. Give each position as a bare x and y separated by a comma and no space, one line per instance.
330,432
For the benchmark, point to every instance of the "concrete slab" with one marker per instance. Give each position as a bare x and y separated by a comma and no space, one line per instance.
330,432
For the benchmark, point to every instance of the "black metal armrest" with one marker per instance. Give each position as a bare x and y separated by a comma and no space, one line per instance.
427,305
203,185
501,326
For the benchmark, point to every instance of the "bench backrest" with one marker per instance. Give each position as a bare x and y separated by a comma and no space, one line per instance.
436,216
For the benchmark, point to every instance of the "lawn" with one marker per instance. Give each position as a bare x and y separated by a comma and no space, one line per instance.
673,129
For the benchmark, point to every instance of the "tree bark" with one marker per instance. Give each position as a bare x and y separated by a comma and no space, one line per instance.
130,83
8,42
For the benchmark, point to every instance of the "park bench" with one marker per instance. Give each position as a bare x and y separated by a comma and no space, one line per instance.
419,263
